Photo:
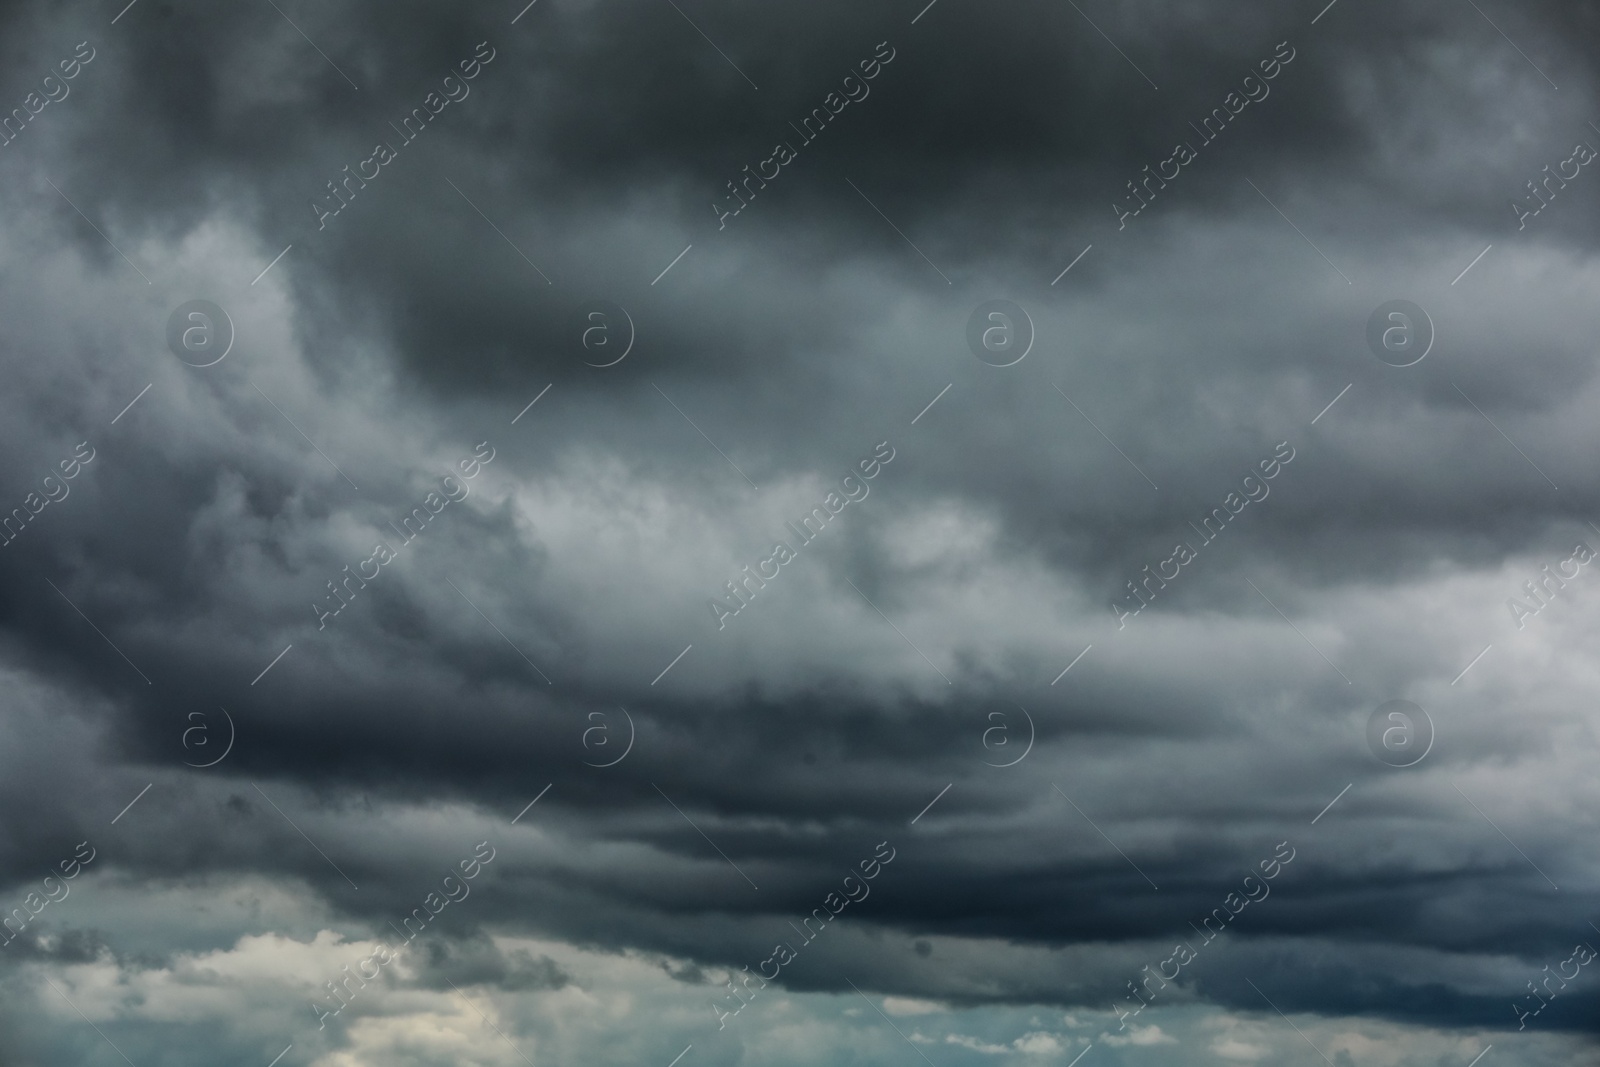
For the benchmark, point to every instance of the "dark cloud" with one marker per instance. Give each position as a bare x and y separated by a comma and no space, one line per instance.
522,639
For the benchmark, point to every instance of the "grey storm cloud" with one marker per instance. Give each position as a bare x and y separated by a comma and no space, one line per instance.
491,526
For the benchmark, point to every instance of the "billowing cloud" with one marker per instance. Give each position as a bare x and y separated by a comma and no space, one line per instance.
597,449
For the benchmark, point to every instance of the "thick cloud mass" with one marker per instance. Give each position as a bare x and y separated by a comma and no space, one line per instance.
607,472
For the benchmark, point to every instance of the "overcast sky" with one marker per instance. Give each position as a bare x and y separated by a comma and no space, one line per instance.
617,480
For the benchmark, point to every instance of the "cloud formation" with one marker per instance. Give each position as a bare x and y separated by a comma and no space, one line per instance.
1193,318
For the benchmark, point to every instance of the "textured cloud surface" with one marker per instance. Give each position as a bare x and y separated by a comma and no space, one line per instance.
816,534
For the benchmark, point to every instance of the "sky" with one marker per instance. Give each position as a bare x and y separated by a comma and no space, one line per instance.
692,534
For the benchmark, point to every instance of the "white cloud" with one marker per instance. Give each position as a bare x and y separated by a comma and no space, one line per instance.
911,1006
1037,1043
976,1044
1140,1035
1230,1048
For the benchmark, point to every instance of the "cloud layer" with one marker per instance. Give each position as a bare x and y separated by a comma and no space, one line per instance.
491,527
